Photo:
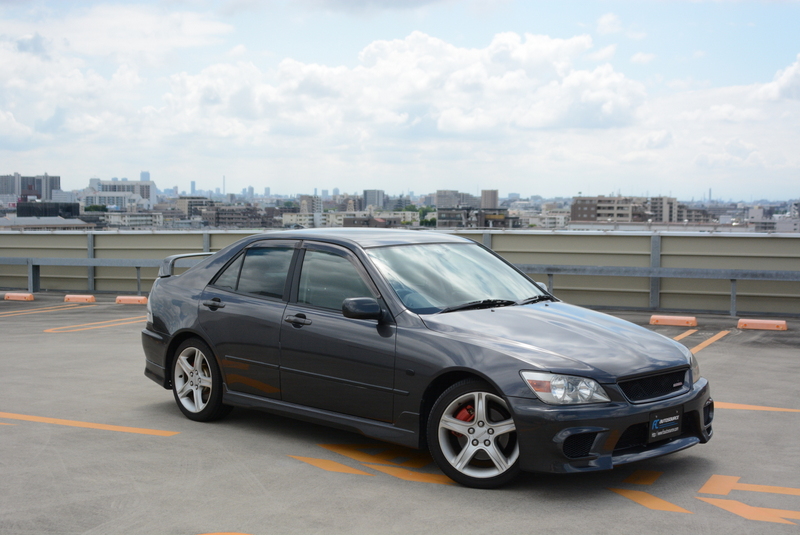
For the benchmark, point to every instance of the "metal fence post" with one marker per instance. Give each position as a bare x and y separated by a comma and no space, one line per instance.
90,252
206,242
733,297
655,262
34,277
487,240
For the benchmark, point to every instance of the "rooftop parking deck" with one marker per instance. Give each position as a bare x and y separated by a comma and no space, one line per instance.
89,445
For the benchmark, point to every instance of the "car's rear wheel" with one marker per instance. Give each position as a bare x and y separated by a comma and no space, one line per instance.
472,435
197,382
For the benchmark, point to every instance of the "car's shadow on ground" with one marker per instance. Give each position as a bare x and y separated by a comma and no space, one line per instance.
357,450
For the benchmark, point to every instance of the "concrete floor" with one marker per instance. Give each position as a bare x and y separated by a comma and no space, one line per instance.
81,452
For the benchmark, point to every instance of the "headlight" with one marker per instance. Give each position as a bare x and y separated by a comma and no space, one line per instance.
695,370
564,389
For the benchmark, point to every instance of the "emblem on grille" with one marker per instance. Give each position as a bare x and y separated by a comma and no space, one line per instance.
676,385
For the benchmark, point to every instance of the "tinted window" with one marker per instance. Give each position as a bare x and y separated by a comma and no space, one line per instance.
328,279
260,271
264,271
228,278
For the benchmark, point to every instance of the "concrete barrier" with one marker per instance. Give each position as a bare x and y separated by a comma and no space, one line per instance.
79,299
762,325
131,300
683,321
19,297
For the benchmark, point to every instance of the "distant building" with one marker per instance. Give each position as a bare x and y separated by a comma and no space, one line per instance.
490,198
48,209
374,197
609,209
25,187
134,219
124,194
11,222
144,176
192,205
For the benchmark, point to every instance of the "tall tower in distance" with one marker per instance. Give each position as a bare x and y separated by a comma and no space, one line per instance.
144,176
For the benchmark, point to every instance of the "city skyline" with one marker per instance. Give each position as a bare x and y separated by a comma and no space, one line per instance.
538,98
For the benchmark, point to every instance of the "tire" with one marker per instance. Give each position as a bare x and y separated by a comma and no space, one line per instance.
197,382
472,436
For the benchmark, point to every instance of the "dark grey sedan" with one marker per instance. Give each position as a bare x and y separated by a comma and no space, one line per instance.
422,339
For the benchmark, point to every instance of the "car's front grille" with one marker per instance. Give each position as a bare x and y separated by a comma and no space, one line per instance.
579,445
654,386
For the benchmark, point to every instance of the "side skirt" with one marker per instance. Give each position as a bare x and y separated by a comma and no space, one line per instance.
370,428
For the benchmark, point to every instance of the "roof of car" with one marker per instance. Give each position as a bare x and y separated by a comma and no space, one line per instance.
368,237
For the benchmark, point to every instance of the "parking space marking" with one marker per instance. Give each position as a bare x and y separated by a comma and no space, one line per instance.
409,475
331,466
741,407
650,501
685,334
708,342
723,485
643,477
87,425
42,310
96,325
388,454
764,514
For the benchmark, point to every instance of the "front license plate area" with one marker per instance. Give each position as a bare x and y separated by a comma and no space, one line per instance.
664,424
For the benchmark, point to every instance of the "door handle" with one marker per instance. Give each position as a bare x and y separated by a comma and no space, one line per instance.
298,320
214,303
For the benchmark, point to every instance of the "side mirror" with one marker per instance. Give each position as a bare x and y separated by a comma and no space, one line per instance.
361,308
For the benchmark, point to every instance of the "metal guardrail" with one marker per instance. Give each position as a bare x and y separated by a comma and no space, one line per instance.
34,266
654,273
658,273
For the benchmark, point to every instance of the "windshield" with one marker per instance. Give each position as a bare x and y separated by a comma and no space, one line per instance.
430,278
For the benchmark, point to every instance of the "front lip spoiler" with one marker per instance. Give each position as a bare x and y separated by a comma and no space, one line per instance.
672,446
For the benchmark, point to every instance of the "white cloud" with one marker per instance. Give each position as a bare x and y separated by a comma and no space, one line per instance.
642,58
604,54
608,24
123,32
786,84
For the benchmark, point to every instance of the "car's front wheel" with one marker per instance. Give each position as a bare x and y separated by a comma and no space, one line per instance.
472,435
197,382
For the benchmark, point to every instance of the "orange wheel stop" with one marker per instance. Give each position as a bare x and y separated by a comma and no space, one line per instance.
763,325
79,299
683,321
131,300
19,297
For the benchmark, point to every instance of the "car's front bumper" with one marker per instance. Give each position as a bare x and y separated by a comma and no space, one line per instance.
599,437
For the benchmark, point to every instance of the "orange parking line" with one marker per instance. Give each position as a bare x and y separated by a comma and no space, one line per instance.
708,342
408,475
684,335
86,425
723,485
97,325
764,514
739,406
331,466
650,501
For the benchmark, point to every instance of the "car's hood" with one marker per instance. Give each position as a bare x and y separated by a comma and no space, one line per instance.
563,338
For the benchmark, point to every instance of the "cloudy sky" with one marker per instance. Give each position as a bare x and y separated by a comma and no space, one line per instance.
532,97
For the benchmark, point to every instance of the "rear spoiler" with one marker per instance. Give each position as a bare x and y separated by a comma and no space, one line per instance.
168,264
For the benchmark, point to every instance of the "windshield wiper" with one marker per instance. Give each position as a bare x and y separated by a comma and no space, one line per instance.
535,299
486,303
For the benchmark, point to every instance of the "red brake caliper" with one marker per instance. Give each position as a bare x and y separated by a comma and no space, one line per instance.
466,414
